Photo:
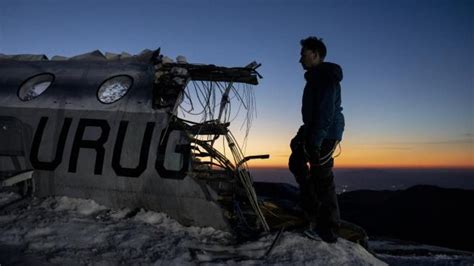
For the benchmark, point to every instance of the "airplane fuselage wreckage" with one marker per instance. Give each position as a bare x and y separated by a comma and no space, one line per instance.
114,128
107,129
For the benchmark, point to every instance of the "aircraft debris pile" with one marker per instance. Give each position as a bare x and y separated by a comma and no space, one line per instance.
175,84
186,150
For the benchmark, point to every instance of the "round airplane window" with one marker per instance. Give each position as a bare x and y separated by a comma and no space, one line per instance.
35,86
114,89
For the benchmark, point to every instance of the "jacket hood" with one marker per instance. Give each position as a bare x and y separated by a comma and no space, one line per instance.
325,69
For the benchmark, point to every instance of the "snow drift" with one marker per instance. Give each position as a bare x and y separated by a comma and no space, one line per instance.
65,231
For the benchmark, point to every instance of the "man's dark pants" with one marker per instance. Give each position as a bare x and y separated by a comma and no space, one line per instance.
317,188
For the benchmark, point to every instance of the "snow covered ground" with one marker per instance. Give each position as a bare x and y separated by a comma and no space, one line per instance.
397,252
70,231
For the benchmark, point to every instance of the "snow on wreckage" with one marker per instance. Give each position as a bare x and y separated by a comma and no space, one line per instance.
107,128
111,128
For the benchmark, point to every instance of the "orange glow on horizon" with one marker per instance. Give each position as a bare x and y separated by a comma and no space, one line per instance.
353,156
340,165
367,151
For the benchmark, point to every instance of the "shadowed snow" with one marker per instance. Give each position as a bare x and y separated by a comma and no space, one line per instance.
65,231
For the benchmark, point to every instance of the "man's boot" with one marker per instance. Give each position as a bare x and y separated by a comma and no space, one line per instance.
327,235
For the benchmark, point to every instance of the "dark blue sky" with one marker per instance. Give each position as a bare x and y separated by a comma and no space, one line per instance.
408,65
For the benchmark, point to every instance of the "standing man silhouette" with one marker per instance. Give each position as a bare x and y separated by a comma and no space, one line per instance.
311,159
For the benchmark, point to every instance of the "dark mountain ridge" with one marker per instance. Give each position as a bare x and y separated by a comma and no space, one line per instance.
422,213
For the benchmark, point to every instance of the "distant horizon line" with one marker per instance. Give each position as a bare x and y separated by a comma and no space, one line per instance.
380,167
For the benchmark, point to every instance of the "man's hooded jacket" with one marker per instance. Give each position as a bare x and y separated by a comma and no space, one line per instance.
321,108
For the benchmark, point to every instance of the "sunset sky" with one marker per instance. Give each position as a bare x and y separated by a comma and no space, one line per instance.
408,66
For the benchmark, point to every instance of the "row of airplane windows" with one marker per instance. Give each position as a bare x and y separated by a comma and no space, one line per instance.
110,91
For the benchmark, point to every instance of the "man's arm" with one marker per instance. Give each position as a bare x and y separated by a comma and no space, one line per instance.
324,111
